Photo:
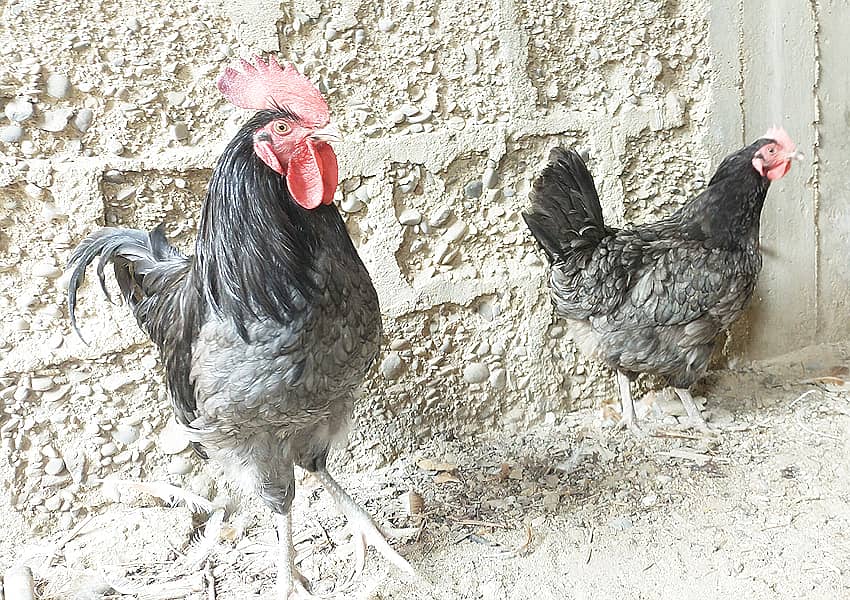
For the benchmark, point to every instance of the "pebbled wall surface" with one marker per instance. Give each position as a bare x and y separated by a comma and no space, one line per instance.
449,110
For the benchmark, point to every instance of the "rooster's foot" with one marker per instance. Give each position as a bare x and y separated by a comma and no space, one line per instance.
291,584
364,531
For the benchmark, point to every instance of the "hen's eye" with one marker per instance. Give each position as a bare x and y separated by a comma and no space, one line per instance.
280,127
772,150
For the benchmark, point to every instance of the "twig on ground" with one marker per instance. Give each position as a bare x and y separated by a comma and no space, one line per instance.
60,544
589,546
798,417
477,523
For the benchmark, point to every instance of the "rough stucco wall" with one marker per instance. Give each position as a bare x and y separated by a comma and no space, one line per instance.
449,110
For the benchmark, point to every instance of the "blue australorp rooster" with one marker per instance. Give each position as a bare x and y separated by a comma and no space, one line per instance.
269,328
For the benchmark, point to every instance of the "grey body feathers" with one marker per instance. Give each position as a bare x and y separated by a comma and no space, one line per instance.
265,333
651,299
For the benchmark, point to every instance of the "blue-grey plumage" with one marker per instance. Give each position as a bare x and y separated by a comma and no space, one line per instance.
653,298
265,333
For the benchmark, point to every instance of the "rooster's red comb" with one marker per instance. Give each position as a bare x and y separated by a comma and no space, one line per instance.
268,85
780,136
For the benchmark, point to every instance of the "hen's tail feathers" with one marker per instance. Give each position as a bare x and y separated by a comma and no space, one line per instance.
133,253
565,213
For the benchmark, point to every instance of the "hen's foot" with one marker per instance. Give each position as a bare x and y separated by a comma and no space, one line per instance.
694,416
629,420
630,423
363,530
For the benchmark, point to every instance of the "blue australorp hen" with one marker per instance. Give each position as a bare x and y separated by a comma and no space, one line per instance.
652,299
268,329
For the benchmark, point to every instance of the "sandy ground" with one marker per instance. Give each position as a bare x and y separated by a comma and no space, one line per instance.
758,508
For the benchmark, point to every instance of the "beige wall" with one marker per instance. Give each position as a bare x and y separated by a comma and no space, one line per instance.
448,110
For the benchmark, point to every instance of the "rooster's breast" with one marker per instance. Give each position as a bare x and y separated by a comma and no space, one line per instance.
292,375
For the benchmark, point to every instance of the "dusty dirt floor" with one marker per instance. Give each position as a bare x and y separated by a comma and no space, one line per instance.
758,508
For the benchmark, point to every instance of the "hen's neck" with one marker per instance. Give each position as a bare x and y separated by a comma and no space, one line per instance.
729,210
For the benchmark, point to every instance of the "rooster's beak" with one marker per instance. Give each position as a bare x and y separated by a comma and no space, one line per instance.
329,133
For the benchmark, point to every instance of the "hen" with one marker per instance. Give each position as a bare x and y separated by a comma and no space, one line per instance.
266,332
653,298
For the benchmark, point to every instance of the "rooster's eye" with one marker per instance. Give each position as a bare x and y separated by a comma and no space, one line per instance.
280,127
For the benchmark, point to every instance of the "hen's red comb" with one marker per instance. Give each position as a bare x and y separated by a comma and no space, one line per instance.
780,136
268,85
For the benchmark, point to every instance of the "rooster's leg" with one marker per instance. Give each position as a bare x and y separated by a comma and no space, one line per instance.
290,583
691,407
363,529
629,419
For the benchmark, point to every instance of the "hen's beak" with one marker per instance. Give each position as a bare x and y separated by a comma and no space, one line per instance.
796,155
329,133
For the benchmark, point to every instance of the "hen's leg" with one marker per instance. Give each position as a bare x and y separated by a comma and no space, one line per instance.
290,582
691,407
627,403
363,529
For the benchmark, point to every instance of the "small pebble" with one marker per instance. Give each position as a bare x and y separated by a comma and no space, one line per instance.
115,381
350,204
54,503
410,216
440,217
114,147
456,123
11,134
392,367
473,189
179,131
455,233
620,523
54,466
490,178
58,86
173,439
476,372
114,176
498,379
179,466
385,24
108,449
41,384
83,119
19,110
125,434
55,121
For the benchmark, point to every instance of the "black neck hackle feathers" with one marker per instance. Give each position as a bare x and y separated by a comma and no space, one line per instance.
251,230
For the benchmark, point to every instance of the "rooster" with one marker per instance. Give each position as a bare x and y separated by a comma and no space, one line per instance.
653,298
267,331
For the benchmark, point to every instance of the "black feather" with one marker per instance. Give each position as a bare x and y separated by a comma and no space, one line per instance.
565,206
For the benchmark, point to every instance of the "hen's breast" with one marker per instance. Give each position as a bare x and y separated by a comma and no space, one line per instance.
296,374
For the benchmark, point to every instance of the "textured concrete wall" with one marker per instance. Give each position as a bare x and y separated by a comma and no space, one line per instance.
448,110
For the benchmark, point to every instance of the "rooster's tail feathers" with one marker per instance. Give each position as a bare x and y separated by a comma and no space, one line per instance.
565,211
133,253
